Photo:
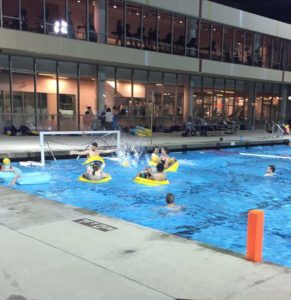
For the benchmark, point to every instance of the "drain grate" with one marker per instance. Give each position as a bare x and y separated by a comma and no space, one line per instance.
94,224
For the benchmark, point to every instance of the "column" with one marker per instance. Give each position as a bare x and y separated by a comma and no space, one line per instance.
100,21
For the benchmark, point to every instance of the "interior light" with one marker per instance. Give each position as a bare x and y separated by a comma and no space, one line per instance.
289,97
114,6
159,84
181,22
61,27
78,1
137,13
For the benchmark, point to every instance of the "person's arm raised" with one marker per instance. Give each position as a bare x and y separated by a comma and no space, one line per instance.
85,152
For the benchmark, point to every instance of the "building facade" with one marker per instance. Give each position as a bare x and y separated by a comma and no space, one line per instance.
170,59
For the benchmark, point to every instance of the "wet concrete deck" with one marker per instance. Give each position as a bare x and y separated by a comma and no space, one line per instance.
29,146
45,255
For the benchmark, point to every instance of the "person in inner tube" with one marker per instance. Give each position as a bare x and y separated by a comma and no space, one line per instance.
166,159
157,176
155,155
6,167
95,172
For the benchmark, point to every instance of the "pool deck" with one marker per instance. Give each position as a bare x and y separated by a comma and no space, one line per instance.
29,147
45,255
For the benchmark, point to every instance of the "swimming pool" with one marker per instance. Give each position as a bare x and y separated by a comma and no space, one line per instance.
216,188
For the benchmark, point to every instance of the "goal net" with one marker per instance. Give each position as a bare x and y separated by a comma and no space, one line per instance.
60,143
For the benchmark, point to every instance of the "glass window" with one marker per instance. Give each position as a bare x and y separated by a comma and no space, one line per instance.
139,96
284,59
67,68
240,106
93,22
77,19
56,21
267,51
229,98
23,64
258,50
267,102
150,28
289,57
259,102
216,43
218,97
238,46
207,97
276,101
165,31
204,42
46,88
154,96
32,16
23,107
170,78
115,22
5,107
277,51
133,26
4,62
10,11
192,34
197,97
248,48
179,34
227,44
67,103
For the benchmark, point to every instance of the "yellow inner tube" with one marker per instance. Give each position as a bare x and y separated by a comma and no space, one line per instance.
173,168
93,159
149,182
105,179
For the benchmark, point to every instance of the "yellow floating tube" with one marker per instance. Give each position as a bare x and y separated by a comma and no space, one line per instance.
93,159
105,179
173,168
149,182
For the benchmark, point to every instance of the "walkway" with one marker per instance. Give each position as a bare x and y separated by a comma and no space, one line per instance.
46,254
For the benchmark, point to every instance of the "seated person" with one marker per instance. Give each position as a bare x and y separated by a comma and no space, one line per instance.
155,155
166,160
95,172
6,167
270,171
157,176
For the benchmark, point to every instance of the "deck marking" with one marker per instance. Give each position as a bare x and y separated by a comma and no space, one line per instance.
94,224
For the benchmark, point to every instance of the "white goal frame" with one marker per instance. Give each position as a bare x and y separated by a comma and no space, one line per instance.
42,135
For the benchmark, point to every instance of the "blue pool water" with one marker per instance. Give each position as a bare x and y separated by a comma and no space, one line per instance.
216,188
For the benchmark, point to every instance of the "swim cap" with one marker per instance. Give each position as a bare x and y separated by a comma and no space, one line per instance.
6,161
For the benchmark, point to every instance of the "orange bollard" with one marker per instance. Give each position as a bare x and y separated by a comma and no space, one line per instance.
255,235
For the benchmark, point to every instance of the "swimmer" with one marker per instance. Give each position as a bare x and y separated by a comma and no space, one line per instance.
270,171
166,159
95,173
170,199
157,176
93,151
6,167
155,155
